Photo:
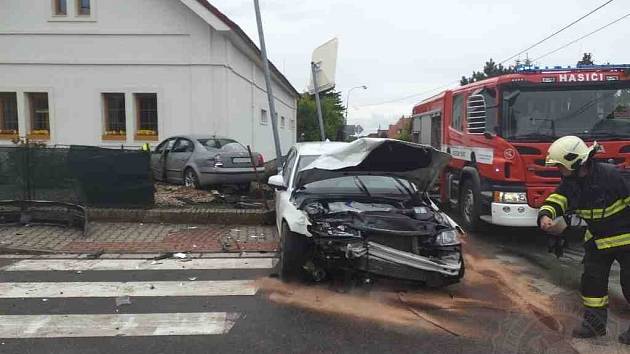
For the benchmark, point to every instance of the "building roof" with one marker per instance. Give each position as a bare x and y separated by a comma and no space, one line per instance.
234,27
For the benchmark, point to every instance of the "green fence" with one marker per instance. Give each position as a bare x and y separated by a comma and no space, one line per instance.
83,175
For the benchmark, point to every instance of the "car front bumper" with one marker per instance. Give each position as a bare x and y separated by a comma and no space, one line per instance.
385,261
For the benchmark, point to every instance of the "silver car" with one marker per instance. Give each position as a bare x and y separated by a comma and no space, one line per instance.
204,160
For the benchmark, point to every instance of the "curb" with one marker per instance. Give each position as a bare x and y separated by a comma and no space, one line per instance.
29,251
185,216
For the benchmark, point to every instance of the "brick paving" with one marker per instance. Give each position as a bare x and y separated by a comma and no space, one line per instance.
140,238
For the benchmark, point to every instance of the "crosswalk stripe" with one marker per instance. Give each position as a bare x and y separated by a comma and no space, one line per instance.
111,325
115,289
138,264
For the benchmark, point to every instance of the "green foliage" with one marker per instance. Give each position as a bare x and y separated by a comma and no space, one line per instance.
405,133
332,111
491,69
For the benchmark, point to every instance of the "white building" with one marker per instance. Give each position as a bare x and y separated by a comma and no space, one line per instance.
126,72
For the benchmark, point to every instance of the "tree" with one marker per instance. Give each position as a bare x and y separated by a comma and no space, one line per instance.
332,112
405,132
587,59
490,69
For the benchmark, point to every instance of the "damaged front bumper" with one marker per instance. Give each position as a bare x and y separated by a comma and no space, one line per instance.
378,259
37,212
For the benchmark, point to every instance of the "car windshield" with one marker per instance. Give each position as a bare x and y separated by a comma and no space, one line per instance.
227,145
602,113
361,185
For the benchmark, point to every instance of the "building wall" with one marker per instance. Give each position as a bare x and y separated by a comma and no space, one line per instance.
206,80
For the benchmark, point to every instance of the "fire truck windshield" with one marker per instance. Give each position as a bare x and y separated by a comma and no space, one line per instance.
537,114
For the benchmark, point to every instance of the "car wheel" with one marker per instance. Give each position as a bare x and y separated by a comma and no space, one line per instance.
469,206
293,255
191,179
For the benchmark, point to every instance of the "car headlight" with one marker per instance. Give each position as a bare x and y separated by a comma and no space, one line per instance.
447,238
510,197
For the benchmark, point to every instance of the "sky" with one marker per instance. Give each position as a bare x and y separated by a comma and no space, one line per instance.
402,48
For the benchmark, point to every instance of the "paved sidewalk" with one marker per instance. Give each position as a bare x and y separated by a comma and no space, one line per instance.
139,238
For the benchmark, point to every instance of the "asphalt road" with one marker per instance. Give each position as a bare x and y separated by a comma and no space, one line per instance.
513,300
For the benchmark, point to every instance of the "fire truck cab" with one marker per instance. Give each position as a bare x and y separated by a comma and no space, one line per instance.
498,131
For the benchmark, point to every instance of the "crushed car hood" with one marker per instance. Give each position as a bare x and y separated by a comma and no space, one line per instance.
420,164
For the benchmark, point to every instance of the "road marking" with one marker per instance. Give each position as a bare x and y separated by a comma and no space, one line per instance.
138,264
115,289
111,325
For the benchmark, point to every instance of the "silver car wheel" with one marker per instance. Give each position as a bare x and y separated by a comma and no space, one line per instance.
190,179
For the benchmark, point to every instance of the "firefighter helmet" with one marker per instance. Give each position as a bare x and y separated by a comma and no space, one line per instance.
570,152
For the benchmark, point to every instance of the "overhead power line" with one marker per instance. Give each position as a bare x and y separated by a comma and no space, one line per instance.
410,96
556,33
582,37
517,54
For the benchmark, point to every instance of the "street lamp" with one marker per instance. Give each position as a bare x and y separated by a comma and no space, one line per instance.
348,99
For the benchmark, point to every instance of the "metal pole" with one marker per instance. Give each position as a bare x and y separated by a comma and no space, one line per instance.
272,104
322,132
261,193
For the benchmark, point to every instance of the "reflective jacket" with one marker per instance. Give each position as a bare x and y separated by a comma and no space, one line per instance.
602,199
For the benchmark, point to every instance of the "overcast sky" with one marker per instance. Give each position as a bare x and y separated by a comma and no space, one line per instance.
400,48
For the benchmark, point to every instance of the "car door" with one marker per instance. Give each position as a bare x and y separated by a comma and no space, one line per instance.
283,196
158,159
178,158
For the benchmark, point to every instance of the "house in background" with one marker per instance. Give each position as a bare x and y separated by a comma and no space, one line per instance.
125,72
396,129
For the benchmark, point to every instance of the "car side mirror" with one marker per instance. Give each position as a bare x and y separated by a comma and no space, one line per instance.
277,182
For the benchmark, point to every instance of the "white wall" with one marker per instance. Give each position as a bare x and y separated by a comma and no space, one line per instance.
207,81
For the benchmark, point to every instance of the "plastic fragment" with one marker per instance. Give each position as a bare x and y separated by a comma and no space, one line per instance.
123,300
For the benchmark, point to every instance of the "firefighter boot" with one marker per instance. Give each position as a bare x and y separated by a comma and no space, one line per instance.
593,325
624,337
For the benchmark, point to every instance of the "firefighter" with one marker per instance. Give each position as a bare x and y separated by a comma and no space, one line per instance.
598,194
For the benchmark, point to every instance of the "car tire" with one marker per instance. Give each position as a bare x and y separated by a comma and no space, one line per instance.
470,206
191,179
293,254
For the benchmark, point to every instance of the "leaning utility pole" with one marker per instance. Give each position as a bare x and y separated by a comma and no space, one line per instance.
272,103
318,103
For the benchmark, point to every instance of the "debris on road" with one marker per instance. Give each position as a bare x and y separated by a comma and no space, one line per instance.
95,255
192,278
163,256
123,300
179,196
180,255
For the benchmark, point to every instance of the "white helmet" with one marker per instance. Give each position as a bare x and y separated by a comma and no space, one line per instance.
570,152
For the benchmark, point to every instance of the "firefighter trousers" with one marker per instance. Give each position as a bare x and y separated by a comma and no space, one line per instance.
597,266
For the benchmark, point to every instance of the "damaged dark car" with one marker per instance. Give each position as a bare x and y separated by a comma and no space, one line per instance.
362,210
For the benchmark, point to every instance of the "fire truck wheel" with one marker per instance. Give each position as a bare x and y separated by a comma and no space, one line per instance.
469,205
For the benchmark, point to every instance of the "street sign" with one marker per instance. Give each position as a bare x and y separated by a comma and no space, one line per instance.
325,60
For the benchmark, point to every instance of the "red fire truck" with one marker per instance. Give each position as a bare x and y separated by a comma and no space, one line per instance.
498,131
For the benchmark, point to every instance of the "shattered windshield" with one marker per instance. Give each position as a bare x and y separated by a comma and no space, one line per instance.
532,113
361,185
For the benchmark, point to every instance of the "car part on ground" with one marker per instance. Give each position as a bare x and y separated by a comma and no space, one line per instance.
31,212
